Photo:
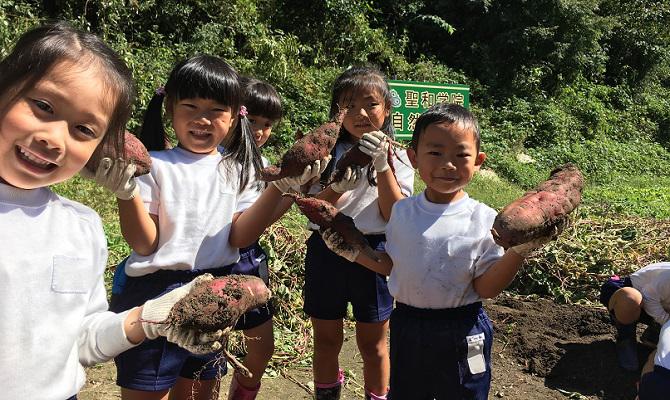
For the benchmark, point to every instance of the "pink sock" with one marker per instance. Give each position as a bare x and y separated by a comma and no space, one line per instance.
240,392
339,382
373,396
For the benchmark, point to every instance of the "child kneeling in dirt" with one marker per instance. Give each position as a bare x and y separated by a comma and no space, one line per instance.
442,262
643,296
655,381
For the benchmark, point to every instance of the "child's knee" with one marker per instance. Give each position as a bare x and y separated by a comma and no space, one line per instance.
373,350
626,304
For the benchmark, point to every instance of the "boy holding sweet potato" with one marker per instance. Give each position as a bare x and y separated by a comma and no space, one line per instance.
442,261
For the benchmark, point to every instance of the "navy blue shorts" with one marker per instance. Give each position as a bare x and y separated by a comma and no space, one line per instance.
430,351
615,283
655,385
331,282
156,364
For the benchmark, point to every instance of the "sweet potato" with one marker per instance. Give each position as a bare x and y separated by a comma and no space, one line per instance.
133,150
219,303
313,146
353,157
324,214
542,211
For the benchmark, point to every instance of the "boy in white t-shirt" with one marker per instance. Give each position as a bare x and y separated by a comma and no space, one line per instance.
442,262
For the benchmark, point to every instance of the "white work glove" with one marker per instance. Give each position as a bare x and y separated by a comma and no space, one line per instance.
115,176
156,311
350,180
376,145
335,242
525,249
310,172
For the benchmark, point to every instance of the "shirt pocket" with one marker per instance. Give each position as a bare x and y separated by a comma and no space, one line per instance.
463,253
71,274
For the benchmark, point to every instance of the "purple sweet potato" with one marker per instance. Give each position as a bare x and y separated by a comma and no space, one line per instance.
313,146
542,211
133,150
324,214
219,303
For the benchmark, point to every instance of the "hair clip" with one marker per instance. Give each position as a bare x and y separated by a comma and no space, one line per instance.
160,91
243,111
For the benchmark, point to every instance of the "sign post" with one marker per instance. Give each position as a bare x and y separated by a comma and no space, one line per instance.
410,99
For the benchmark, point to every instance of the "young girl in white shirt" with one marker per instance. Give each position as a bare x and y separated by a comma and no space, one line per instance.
190,215
65,95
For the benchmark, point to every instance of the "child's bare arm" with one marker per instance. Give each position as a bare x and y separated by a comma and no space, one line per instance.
139,228
383,266
248,226
389,192
492,282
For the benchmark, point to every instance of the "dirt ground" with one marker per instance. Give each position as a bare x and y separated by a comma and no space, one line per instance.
541,351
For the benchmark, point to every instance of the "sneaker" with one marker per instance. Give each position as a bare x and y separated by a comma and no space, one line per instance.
626,350
650,335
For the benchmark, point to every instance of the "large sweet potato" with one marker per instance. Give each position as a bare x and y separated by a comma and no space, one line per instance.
542,211
133,150
313,146
219,303
324,214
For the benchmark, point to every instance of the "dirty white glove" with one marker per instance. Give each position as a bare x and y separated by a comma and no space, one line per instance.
525,249
376,145
115,176
352,175
335,242
310,172
156,311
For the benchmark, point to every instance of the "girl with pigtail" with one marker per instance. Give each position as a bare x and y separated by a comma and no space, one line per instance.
367,195
190,215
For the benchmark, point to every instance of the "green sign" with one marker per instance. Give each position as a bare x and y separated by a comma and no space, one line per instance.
410,99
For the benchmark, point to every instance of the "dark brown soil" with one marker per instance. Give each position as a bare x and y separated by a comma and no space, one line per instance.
542,351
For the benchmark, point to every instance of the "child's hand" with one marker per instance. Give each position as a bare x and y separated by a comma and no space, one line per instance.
350,180
376,145
525,249
310,172
116,176
155,313
335,242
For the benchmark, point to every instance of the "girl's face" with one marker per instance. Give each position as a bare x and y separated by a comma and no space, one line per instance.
367,111
261,127
447,159
201,124
51,131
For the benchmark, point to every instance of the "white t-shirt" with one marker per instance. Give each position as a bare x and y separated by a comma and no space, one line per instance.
653,281
53,312
361,203
195,197
438,250
663,348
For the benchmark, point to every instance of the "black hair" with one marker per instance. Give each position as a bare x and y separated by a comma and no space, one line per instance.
261,98
205,77
42,48
350,82
449,113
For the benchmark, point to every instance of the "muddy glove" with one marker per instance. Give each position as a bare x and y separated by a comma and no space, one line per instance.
155,313
115,176
335,242
310,172
376,145
352,175
525,249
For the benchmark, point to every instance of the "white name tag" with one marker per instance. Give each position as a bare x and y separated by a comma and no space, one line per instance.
476,361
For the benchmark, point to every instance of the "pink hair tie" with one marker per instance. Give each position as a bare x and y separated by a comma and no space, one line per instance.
160,91
243,111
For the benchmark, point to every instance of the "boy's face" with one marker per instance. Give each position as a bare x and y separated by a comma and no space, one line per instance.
51,131
367,111
446,158
261,127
